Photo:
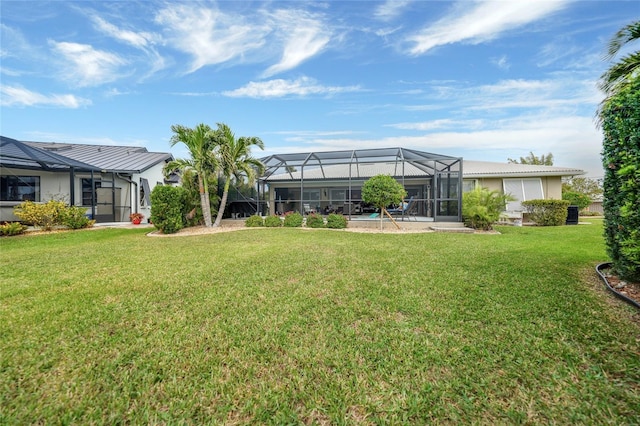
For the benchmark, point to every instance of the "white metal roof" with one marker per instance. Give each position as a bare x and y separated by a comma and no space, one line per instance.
121,159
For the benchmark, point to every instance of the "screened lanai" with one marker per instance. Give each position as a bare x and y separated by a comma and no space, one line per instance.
331,181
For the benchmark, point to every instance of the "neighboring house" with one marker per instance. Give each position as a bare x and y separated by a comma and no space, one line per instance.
332,181
110,181
522,181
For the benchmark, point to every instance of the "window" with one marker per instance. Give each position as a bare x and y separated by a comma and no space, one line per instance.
20,188
86,191
145,192
522,190
469,185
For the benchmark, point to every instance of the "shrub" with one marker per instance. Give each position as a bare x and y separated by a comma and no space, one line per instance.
481,208
254,221
75,217
315,220
576,199
168,208
12,228
336,221
620,117
547,212
41,215
273,221
293,220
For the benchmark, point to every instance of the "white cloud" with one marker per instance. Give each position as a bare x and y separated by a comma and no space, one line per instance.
390,9
86,66
481,21
279,88
208,35
306,36
502,62
444,123
144,41
19,96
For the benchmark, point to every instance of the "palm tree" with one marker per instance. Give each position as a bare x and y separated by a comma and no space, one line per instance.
200,143
619,74
235,161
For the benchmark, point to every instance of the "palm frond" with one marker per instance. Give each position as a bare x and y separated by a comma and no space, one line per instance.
626,34
620,73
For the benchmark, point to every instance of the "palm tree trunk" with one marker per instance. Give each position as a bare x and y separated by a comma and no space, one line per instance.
223,203
204,203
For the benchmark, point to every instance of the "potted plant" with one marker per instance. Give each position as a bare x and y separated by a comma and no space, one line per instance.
136,218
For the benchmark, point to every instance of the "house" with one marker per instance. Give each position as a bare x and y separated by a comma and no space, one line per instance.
332,181
110,181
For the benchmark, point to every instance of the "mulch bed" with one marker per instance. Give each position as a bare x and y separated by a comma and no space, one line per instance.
630,290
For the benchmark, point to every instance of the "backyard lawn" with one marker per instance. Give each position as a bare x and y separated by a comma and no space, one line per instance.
293,326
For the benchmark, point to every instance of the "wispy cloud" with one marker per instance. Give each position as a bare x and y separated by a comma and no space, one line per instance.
444,123
85,66
306,35
481,21
19,96
390,9
279,88
209,35
143,40
502,62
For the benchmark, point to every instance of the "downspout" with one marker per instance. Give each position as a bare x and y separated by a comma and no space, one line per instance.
126,179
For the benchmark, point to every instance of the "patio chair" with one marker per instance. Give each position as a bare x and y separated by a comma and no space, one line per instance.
307,208
406,209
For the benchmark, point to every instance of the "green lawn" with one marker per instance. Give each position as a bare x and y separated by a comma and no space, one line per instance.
288,326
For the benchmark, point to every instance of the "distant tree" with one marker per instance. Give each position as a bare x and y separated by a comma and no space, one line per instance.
619,74
576,199
199,141
589,187
543,160
235,160
382,191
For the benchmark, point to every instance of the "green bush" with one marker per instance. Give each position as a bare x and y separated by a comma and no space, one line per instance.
41,215
576,199
315,220
12,228
336,221
75,217
254,221
481,208
273,221
293,220
547,212
620,117
168,208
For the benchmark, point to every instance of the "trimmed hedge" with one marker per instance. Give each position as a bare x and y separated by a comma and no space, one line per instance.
293,220
168,208
254,221
273,221
620,117
315,220
336,221
547,212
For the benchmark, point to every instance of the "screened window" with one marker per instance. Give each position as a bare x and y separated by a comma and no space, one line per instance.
145,192
522,190
20,188
86,192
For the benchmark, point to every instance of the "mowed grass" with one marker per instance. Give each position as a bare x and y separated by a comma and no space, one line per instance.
291,326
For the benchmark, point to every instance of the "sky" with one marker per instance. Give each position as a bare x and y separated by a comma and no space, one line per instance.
482,80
